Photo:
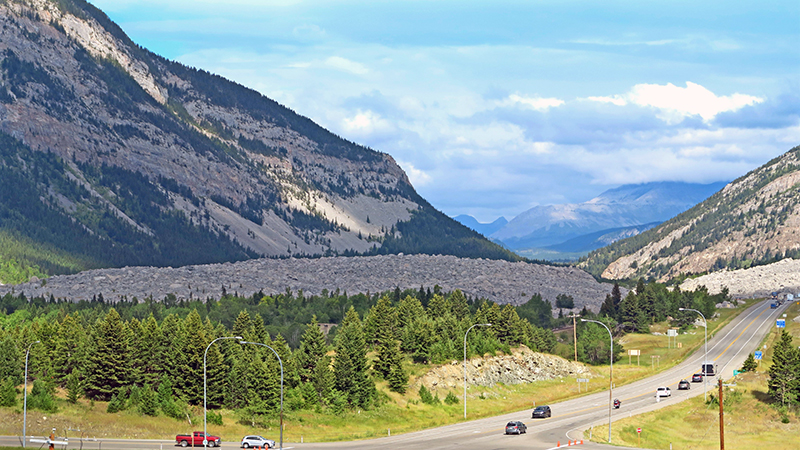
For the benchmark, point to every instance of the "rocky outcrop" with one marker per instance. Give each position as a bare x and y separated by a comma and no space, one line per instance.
500,281
522,366
782,276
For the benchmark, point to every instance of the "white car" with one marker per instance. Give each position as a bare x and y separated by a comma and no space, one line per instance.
254,441
663,391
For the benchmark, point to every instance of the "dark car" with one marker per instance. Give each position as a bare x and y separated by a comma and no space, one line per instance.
541,411
684,385
516,428
697,378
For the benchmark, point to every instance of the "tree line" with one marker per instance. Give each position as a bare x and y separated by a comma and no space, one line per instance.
155,363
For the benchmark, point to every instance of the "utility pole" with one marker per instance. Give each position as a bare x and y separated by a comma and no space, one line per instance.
575,335
721,420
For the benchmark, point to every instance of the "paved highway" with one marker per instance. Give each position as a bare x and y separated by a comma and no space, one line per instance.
728,348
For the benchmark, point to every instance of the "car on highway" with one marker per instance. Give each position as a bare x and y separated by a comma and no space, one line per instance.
253,441
663,391
697,378
516,427
684,385
541,411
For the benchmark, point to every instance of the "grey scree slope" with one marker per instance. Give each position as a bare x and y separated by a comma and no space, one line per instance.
500,281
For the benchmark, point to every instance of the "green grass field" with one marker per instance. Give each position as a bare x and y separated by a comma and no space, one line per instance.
751,421
400,414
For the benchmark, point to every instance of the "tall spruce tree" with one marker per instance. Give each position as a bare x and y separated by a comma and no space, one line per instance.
350,366
107,368
193,350
784,374
313,347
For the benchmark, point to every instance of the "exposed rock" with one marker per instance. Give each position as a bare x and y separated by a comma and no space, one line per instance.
500,281
782,276
522,366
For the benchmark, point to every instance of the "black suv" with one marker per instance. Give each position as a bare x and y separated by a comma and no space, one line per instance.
697,378
541,411
683,385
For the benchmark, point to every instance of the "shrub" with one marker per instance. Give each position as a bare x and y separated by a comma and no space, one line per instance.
116,404
215,418
8,393
451,399
426,397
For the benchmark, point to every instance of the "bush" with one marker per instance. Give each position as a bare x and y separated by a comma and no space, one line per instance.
148,401
116,404
215,418
426,397
451,399
41,397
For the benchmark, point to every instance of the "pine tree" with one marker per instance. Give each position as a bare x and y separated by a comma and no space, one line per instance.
323,379
458,304
438,307
107,368
397,376
73,386
11,359
312,348
149,347
193,351
380,322
171,344
750,364
350,366
8,392
784,374
70,348
148,404
409,310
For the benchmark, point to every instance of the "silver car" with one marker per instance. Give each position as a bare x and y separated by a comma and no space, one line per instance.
253,441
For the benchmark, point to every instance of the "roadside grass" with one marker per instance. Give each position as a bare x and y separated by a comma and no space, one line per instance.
751,421
398,414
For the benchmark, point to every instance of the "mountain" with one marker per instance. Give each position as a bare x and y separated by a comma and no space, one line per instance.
112,156
628,206
753,220
485,229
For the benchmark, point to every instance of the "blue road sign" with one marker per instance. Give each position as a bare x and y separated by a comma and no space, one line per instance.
781,323
758,354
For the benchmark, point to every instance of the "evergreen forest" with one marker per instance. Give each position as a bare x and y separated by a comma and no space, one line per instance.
148,355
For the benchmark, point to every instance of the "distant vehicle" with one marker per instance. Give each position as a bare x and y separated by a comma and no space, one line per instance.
617,403
708,369
773,305
663,391
196,440
257,441
684,385
541,411
516,428
697,378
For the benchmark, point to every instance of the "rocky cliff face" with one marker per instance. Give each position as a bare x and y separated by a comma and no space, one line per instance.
753,220
522,366
235,164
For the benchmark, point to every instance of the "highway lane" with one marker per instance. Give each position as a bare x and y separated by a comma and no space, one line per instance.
728,348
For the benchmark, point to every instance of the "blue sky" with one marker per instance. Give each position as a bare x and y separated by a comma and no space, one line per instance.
495,107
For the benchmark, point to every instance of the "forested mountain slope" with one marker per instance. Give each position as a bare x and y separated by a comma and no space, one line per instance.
753,220
112,155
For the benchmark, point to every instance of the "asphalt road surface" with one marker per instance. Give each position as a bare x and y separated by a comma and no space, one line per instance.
728,348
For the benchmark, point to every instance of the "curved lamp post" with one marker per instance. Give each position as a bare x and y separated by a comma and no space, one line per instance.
705,358
281,363
465,362
25,397
205,354
611,376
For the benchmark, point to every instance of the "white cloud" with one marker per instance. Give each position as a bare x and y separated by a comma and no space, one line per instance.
676,102
417,177
614,100
346,65
537,103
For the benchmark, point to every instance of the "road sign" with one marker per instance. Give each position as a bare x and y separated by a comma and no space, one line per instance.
638,430
583,380
758,354
781,323
672,332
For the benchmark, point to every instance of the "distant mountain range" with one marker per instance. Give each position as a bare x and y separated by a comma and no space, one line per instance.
753,220
615,214
485,229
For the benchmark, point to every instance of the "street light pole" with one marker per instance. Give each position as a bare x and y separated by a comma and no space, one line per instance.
205,354
25,394
281,364
705,358
465,362
611,375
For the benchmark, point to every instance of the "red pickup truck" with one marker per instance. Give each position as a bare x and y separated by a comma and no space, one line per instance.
196,440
